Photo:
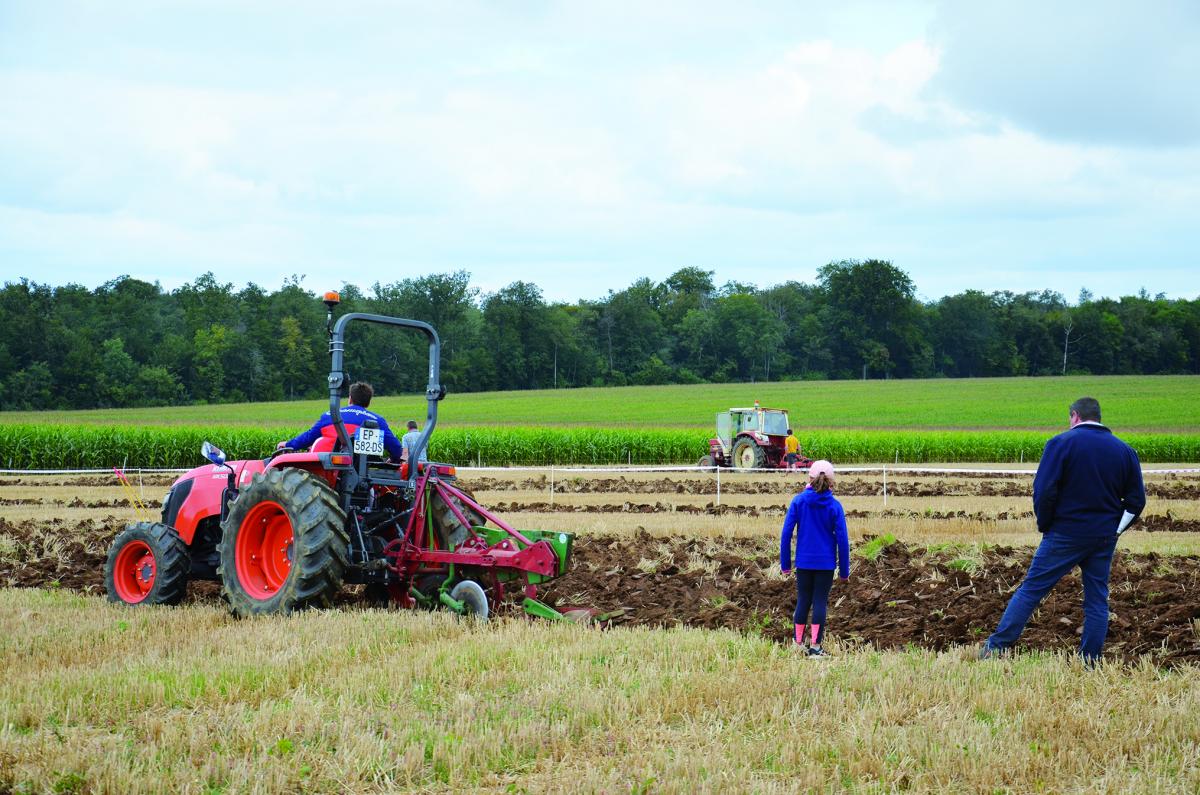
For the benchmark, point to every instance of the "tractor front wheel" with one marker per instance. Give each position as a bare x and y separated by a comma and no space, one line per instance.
748,455
147,565
283,545
706,462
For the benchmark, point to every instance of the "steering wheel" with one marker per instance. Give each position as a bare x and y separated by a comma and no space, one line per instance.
279,451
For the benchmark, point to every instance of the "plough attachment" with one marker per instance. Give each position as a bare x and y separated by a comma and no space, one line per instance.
457,554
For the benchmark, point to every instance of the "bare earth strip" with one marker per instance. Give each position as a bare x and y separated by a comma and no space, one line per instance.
661,547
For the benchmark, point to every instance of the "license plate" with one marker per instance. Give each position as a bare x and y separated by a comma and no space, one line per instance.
368,441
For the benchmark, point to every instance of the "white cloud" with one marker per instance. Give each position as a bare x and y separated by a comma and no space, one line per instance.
590,143
1092,71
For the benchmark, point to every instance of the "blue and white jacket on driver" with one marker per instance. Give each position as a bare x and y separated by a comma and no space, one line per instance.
353,416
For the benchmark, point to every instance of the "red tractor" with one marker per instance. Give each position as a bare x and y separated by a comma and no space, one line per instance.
751,438
286,532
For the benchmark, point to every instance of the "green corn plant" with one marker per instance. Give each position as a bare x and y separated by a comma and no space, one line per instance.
28,446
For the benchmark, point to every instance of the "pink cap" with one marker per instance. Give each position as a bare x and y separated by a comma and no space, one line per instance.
821,467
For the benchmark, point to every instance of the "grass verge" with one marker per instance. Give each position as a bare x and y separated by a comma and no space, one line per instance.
101,698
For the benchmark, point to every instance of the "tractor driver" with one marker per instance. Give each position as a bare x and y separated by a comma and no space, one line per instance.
353,415
791,446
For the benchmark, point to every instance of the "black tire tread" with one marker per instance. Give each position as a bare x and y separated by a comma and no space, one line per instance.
450,531
320,543
172,563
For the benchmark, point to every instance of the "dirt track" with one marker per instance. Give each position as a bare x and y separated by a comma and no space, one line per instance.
966,485
905,596
1149,523
958,486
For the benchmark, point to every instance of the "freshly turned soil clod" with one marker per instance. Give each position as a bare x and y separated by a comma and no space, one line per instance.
905,596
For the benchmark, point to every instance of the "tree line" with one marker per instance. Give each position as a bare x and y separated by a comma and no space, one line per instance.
132,343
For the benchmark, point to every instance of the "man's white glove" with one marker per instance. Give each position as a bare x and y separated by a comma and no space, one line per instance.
1126,518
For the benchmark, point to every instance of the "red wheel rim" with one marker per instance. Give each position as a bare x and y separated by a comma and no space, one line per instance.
134,572
263,552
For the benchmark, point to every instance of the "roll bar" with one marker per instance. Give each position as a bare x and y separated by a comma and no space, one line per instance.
434,391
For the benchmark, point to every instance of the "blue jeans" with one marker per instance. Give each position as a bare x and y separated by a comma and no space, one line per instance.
812,591
1055,557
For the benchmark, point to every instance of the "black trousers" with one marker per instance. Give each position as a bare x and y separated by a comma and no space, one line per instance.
812,592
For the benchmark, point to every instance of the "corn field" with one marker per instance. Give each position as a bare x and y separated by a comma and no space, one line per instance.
28,446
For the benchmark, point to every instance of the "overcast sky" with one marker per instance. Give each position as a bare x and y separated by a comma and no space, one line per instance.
582,145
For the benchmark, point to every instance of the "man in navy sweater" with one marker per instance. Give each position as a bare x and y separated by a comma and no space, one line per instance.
1087,491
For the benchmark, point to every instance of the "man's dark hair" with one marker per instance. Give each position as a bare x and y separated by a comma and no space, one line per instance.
412,425
1087,408
789,431
361,393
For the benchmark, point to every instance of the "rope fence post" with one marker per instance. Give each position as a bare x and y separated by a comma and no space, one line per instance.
885,485
718,485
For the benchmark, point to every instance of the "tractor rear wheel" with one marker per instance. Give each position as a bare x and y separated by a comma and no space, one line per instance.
450,531
748,455
147,564
283,545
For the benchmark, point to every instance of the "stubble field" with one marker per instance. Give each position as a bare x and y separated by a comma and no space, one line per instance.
696,689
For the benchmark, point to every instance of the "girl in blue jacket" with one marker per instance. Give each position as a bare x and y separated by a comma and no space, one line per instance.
819,524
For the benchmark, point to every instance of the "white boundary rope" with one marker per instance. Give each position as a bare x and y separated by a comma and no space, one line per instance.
109,471
554,468
840,469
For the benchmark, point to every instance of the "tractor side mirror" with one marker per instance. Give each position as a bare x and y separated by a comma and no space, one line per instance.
212,453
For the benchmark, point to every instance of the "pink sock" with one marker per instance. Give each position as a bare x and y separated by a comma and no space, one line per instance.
800,634
816,630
